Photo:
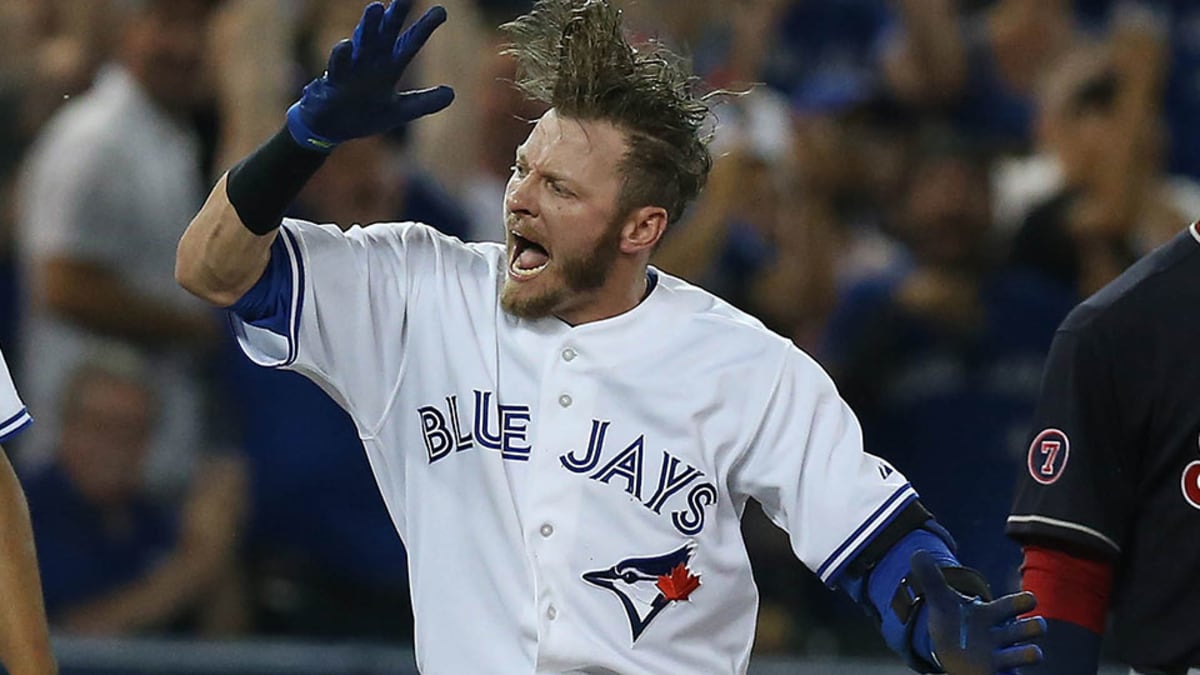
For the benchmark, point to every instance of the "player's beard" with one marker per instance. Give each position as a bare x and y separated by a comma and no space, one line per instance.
567,278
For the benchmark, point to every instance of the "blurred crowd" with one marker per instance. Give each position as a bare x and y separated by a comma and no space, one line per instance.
914,191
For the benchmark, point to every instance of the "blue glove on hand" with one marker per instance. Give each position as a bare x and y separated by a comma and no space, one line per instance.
973,637
357,95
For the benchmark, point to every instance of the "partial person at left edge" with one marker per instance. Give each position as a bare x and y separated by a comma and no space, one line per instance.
24,637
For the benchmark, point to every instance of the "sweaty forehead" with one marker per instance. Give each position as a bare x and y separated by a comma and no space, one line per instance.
565,143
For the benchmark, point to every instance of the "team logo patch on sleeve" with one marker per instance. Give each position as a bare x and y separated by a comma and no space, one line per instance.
648,585
1048,455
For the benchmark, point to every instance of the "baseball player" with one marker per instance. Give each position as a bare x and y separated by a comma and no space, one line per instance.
24,637
1108,511
565,437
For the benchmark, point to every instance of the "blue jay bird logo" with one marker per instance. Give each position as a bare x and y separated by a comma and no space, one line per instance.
647,585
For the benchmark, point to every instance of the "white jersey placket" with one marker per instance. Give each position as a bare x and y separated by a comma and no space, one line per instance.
566,402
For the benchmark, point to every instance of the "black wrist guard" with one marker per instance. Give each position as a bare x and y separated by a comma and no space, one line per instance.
965,580
263,185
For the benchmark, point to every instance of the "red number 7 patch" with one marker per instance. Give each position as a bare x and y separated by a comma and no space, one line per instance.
1048,456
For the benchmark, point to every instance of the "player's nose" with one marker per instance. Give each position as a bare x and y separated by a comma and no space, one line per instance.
518,197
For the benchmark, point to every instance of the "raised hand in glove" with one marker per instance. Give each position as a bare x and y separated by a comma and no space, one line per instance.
357,96
971,636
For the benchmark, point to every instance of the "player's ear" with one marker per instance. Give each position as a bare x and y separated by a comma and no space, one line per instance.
643,228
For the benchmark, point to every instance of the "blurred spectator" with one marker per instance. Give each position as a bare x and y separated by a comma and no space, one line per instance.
370,181
806,167
798,203
456,58
1110,200
504,118
1066,135
793,43
1182,93
980,69
744,237
9,274
941,357
249,97
489,117
112,181
48,53
1179,22
851,148
325,558
114,561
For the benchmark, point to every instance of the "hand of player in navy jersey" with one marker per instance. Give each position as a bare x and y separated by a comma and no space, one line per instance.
973,637
357,97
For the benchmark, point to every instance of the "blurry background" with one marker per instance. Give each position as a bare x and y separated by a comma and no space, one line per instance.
915,191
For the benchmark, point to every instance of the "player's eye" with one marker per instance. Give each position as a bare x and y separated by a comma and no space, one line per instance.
560,190
517,170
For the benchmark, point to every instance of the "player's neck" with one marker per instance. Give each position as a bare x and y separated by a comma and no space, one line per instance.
608,302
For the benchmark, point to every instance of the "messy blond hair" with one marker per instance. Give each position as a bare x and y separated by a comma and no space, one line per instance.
573,56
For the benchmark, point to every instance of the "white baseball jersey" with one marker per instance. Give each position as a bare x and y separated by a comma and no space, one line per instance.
570,496
13,415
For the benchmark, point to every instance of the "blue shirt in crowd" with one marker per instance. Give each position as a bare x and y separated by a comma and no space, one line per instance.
82,557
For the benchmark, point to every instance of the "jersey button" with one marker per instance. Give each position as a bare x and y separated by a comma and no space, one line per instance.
551,613
565,400
547,530
569,354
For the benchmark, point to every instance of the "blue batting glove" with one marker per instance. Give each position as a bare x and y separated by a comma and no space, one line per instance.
357,95
973,637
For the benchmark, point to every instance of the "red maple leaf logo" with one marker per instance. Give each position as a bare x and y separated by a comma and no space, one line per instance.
679,584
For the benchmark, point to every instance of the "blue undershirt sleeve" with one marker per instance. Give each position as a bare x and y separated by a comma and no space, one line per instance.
268,303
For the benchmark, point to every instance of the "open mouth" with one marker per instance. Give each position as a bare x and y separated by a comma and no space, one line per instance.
528,257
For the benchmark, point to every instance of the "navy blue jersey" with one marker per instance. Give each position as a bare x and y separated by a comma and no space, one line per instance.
1113,464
